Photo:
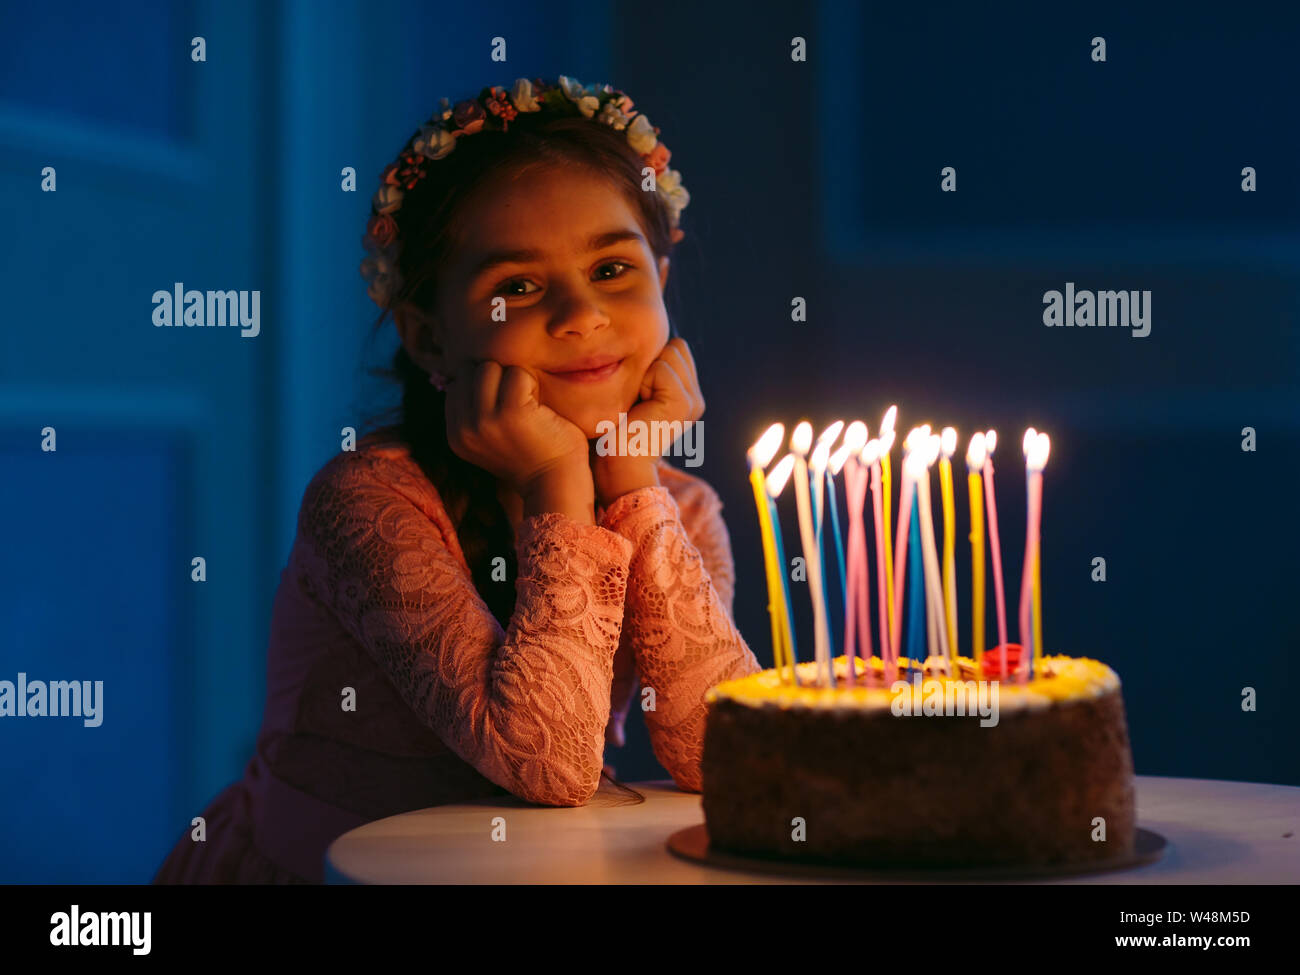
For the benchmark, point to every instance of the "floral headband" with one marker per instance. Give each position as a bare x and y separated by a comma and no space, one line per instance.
494,109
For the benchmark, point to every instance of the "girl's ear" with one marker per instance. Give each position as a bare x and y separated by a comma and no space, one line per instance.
663,272
417,330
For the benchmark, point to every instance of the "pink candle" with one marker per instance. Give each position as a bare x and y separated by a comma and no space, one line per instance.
871,455
906,491
855,593
856,621
990,441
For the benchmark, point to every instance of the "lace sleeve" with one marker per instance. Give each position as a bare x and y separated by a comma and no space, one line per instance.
527,708
679,619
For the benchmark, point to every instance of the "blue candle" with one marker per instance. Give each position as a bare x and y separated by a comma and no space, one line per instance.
916,587
839,539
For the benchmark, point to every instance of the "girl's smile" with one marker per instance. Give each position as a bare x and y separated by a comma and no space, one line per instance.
596,375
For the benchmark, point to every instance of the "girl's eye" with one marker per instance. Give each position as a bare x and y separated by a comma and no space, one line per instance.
623,264
510,284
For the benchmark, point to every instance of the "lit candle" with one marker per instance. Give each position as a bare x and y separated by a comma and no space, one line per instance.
856,600
799,443
776,481
905,491
828,437
975,464
821,454
1026,569
1035,460
948,445
759,455
893,606
871,457
995,547
936,621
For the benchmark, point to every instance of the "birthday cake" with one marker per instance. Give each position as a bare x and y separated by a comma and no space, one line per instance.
930,772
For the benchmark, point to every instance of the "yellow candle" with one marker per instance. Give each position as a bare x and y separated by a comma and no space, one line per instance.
975,482
759,456
885,489
886,439
948,445
775,595
776,480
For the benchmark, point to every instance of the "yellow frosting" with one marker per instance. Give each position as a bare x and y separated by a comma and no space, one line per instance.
1059,678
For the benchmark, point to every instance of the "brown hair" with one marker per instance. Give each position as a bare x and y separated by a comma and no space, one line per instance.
429,226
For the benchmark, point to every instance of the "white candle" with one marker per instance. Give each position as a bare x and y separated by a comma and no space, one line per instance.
900,549
800,441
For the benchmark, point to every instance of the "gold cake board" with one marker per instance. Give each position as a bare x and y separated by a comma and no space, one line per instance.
692,844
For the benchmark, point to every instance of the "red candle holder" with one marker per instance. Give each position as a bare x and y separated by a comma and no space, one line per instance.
1000,662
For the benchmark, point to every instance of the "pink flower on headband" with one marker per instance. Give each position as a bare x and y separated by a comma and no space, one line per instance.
381,231
658,158
469,117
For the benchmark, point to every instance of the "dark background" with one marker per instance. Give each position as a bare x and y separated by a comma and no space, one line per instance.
817,179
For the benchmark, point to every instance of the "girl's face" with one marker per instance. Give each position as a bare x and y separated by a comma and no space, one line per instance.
566,253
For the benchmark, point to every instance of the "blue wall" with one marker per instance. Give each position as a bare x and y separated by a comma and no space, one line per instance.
817,179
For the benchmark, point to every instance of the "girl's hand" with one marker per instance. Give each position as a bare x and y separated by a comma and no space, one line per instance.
495,419
670,391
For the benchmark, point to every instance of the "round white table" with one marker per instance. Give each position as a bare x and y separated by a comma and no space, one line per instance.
1218,833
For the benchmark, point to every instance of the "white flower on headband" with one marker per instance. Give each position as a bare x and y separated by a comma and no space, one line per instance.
641,135
669,183
522,96
388,198
433,141
585,98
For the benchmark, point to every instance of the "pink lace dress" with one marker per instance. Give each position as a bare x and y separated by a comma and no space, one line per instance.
391,686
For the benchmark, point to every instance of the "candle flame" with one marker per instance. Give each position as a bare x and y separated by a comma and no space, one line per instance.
975,453
871,452
887,442
768,444
821,454
949,444
839,457
779,475
914,465
1036,458
801,440
887,424
990,441
855,436
1027,444
930,448
916,437
831,433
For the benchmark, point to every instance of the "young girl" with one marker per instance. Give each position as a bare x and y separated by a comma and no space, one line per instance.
475,592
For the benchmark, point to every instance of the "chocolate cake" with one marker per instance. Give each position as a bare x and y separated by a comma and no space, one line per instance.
1040,774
